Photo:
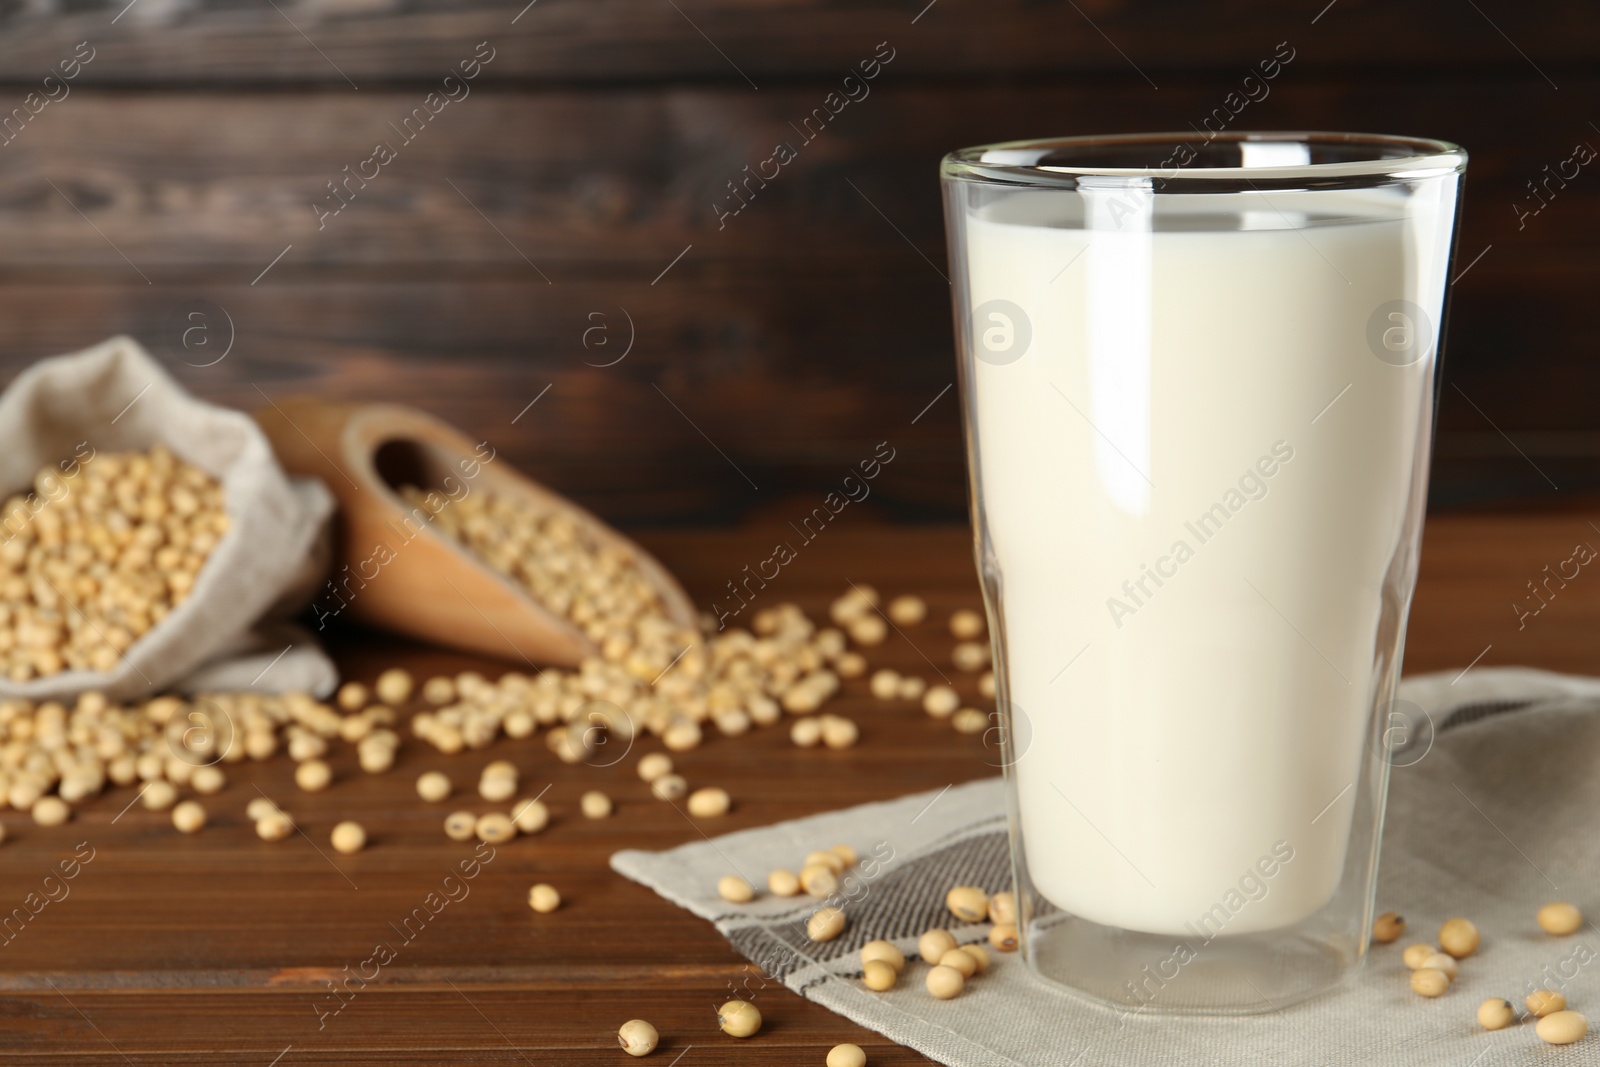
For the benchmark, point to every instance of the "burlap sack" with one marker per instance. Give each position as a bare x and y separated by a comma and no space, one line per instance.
114,397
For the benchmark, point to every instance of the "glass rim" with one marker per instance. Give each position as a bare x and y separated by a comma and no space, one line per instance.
1392,159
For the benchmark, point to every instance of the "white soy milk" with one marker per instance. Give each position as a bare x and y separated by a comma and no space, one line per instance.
1195,481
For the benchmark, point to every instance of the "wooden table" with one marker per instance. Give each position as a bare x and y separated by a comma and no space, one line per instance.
216,948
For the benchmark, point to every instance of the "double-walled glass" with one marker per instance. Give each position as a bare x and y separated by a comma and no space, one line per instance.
1198,380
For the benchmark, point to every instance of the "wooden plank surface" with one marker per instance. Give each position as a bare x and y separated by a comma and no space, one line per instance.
755,42
565,185
472,271
789,379
209,949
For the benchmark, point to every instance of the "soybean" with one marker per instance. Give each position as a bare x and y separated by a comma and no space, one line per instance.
349,837
1459,937
1542,1002
884,684
208,779
304,746
966,624
883,952
530,816
968,903
1003,936
496,788
828,858
189,816
869,630
961,961
732,888
878,975
433,786
1441,961
1560,918
739,1018
669,787
766,711
313,776
969,721
708,803
51,811
1562,1028
274,826
543,898
839,732
970,656
934,944
494,828
682,736
439,690
908,610
258,808
653,765
1388,928
846,1056
825,924
159,795
1496,1013
595,805
850,606
1414,955
460,825
806,733
940,701
818,880
1429,982
637,1037
802,699
945,982
394,686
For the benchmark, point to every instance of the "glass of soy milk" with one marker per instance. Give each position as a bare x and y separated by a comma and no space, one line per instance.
1198,377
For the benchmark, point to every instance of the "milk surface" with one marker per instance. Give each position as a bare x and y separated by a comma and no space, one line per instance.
1194,483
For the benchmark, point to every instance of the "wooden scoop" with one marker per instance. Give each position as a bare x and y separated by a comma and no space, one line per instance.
394,569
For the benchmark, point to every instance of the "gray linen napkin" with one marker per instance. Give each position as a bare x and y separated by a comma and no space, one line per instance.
1493,815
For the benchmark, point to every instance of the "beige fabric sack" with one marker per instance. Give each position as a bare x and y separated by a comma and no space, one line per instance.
115,397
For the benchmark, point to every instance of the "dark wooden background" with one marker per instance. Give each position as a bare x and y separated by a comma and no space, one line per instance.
815,323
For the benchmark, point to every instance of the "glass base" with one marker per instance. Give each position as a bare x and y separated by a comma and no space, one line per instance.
1139,973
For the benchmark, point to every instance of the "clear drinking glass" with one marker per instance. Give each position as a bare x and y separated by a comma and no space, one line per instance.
1198,380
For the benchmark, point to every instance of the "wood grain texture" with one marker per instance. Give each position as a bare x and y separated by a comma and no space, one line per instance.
814,323
563,186
210,949
767,377
757,42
